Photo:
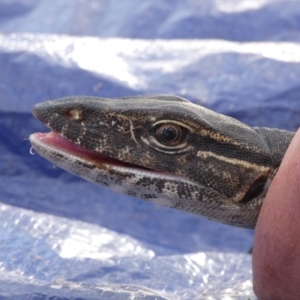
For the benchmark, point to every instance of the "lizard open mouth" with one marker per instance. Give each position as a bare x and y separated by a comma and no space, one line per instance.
60,144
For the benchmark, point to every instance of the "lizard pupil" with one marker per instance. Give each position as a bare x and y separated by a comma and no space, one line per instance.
169,134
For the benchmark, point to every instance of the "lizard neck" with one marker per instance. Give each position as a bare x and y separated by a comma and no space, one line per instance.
278,142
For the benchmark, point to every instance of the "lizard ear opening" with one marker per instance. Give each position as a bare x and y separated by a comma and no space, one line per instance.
255,189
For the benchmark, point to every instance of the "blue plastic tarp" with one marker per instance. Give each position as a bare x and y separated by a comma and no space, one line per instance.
66,238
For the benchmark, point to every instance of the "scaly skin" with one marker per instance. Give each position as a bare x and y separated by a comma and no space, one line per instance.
166,150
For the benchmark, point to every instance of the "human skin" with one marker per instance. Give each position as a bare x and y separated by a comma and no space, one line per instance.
276,249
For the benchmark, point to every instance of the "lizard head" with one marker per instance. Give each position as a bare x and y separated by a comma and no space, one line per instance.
163,149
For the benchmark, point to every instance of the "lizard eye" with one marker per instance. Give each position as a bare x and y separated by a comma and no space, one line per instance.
169,134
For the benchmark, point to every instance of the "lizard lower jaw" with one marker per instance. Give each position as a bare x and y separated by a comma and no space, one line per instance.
158,187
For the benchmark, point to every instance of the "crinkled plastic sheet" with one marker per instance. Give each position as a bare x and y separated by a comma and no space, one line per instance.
65,238
241,21
65,258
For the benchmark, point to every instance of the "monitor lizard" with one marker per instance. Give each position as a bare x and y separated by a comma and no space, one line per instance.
166,150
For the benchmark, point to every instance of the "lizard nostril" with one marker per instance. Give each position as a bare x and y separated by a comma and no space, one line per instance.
75,114
255,189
